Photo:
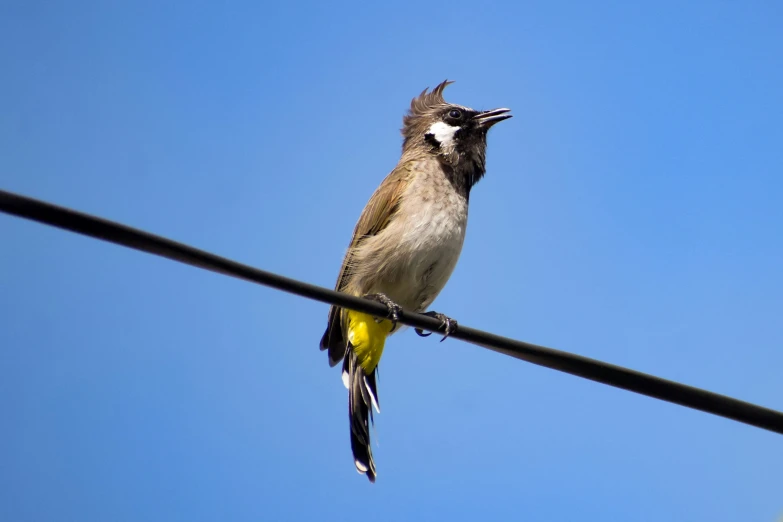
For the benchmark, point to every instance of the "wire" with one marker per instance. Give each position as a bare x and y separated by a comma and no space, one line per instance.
587,368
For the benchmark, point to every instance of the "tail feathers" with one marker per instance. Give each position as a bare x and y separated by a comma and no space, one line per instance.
333,339
362,397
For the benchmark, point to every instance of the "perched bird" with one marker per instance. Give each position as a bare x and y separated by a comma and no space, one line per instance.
406,245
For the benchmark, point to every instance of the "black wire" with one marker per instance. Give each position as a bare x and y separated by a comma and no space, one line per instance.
592,369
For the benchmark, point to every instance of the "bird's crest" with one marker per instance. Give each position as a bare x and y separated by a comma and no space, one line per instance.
416,122
427,101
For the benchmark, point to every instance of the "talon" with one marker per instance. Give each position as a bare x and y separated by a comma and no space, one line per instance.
448,325
451,327
393,308
422,333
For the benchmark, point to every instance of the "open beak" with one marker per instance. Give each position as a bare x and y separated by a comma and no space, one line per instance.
487,119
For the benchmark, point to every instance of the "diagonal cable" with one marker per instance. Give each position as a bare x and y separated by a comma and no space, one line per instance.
585,367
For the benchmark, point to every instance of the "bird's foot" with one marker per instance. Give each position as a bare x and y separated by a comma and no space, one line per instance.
393,308
448,325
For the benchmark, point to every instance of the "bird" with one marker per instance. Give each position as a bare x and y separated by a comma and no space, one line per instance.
405,246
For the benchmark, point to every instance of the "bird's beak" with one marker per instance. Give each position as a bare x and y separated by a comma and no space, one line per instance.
487,119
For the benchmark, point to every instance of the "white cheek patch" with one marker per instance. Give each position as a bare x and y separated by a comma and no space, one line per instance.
443,133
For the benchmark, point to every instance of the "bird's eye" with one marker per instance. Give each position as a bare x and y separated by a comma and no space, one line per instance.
456,114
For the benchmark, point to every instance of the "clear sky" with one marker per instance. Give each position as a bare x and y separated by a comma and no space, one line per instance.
631,212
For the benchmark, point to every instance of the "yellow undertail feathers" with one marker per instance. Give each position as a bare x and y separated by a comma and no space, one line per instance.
368,337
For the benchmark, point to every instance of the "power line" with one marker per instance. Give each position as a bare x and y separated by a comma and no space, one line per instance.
584,367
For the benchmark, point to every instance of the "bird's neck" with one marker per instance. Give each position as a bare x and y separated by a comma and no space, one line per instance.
461,171
464,175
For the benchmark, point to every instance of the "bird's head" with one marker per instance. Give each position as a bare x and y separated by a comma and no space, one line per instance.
457,135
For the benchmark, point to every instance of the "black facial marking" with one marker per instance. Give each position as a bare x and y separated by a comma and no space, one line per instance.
456,117
430,138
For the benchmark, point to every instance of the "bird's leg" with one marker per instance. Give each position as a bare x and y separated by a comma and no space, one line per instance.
448,325
394,308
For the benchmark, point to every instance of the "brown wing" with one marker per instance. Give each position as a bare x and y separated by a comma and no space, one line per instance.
378,213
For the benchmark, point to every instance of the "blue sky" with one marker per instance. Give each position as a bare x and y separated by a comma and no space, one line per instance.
631,212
